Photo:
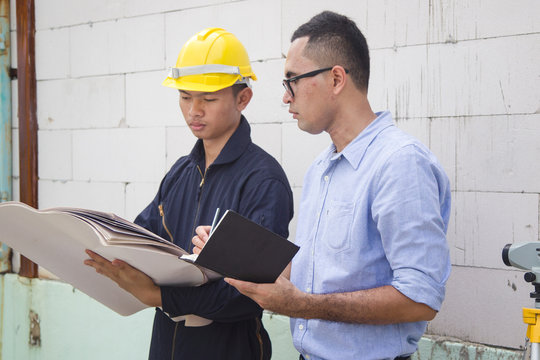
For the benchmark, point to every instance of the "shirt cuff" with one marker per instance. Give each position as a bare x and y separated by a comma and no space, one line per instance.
420,287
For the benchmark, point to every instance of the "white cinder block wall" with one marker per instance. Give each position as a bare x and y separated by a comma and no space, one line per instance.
463,76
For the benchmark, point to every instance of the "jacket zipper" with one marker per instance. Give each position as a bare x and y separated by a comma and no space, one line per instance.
191,245
259,337
203,177
162,214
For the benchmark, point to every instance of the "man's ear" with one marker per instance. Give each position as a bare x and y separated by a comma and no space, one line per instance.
339,78
243,98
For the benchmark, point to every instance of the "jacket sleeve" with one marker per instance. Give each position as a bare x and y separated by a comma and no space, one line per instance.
268,203
149,218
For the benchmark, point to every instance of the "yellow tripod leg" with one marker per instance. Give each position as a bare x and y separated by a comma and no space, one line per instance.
530,317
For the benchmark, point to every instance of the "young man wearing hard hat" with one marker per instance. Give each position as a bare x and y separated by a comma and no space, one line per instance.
224,170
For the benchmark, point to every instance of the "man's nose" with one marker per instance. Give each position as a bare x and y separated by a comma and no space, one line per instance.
196,108
287,98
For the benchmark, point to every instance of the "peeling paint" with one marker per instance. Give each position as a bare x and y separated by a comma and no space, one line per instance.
35,329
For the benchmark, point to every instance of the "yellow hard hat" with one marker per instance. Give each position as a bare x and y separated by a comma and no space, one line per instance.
211,60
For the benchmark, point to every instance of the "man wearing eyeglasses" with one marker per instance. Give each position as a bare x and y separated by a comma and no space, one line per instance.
373,259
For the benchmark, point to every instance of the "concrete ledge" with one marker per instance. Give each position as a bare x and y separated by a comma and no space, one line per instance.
432,347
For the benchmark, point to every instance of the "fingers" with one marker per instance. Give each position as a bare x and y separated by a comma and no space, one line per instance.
246,288
95,257
198,244
104,266
203,232
200,239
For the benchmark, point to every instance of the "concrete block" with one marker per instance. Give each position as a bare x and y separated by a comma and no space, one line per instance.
119,155
138,196
295,13
486,222
417,127
498,153
382,80
143,7
180,142
396,23
441,347
300,149
101,196
52,54
61,13
456,244
113,47
456,20
267,105
257,33
459,79
484,306
398,81
483,78
268,137
93,102
54,149
443,141
148,103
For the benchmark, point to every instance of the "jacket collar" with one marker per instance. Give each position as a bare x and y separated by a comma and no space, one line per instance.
233,149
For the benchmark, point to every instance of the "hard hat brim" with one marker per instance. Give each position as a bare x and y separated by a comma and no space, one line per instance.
205,83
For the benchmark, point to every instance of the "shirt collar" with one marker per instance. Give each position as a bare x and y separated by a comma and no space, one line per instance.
355,150
233,149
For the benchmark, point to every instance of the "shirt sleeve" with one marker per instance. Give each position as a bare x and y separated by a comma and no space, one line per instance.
268,203
411,209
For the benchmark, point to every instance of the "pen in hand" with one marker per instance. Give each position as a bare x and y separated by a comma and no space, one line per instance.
214,222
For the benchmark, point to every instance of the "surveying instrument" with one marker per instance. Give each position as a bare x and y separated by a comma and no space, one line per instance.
526,256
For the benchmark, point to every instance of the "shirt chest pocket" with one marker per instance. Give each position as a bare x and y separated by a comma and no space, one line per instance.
338,219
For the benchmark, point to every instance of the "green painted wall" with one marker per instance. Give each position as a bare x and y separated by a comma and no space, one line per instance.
74,326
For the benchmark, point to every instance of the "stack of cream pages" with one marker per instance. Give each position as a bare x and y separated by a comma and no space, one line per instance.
56,239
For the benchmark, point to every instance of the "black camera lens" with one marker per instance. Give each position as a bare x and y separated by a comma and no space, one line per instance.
505,251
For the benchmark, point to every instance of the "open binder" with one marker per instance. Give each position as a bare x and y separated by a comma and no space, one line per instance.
56,239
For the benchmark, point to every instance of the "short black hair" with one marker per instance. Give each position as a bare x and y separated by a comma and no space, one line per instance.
335,39
236,88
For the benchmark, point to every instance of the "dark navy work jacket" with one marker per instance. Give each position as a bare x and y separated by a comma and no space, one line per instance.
243,178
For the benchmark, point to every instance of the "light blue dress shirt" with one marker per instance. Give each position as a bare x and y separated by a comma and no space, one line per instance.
374,214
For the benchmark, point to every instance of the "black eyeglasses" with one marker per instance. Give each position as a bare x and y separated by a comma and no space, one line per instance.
287,82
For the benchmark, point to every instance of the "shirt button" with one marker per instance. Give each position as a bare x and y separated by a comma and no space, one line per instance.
301,327
308,289
326,178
